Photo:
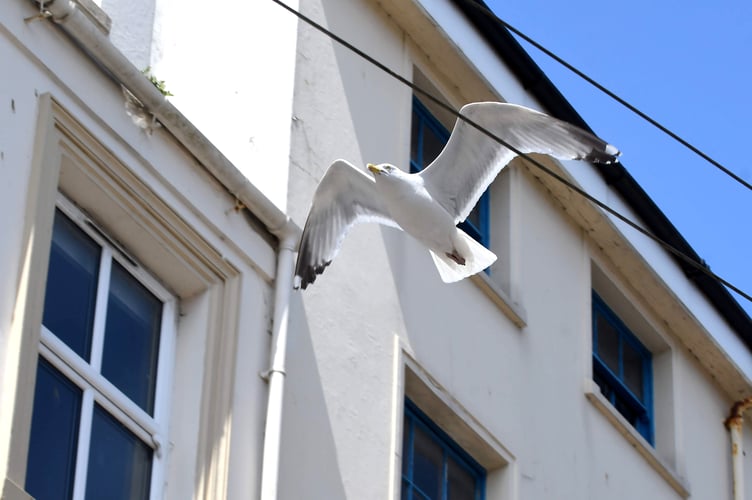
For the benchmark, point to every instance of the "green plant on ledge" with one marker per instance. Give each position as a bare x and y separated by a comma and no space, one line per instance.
160,84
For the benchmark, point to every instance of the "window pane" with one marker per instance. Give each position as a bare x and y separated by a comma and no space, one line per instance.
414,139
131,341
432,146
606,388
71,285
628,411
406,447
461,484
119,462
608,343
51,464
474,216
632,364
427,463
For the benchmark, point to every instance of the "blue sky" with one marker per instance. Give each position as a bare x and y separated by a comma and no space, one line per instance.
689,66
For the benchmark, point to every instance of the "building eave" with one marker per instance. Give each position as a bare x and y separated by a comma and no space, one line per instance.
535,81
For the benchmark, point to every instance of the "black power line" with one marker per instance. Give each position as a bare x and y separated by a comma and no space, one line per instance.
482,8
698,266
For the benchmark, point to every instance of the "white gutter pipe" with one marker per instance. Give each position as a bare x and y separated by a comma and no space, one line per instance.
276,374
735,425
66,14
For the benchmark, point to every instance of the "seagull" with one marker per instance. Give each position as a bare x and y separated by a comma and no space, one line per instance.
429,204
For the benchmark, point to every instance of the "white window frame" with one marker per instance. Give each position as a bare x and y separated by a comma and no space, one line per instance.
152,430
223,285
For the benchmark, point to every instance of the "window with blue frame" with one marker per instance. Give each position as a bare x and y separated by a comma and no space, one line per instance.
434,467
622,369
427,139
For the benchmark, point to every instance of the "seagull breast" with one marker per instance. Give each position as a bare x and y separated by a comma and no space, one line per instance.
413,207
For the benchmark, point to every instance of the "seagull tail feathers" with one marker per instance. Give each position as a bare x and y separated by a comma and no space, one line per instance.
477,258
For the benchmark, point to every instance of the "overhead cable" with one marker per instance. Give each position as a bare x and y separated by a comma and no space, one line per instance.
486,11
699,266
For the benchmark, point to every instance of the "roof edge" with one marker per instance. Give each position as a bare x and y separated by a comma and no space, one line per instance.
535,81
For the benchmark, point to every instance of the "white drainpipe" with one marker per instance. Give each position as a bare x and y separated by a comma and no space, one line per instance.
276,374
66,14
735,425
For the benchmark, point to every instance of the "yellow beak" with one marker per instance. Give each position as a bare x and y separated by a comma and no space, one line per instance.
374,169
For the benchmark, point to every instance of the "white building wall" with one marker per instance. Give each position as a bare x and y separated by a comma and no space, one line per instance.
524,387
379,318
230,67
221,266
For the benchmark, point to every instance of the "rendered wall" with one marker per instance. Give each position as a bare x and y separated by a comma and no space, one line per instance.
224,312
381,297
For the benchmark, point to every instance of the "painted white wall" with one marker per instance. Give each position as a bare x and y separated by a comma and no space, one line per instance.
244,70
44,61
450,20
230,66
525,386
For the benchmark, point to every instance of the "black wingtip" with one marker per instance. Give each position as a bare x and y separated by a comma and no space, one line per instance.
607,155
307,275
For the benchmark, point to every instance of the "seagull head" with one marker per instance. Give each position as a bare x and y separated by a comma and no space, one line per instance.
383,169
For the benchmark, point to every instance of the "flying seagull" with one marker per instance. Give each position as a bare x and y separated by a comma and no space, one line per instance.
429,204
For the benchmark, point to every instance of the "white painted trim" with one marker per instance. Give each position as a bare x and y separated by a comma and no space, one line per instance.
449,414
84,444
678,483
100,309
513,310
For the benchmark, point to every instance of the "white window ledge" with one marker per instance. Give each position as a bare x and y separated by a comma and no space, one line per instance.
593,393
511,309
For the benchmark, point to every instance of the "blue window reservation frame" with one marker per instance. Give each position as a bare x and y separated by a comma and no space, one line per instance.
415,418
423,122
637,410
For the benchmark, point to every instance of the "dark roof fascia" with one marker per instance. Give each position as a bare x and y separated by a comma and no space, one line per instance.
534,80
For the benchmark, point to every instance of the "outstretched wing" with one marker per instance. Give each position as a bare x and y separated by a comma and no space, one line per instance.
345,196
471,160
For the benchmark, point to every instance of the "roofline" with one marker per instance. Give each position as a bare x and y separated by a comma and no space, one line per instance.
535,81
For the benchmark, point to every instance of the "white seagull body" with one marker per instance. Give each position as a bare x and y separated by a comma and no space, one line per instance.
429,204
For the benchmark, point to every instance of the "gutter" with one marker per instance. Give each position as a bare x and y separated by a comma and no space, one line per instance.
87,35
537,83
67,15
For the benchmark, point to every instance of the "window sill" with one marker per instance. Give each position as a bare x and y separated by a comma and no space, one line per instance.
512,310
592,392
11,491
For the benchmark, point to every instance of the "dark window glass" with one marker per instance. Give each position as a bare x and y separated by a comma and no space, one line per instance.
433,466
632,361
428,460
474,217
608,343
427,139
433,143
622,368
131,341
51,464
71,285
415,139
119,462
460,483
406,448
